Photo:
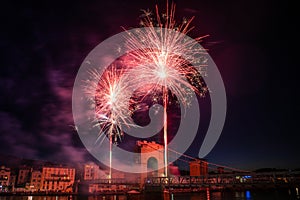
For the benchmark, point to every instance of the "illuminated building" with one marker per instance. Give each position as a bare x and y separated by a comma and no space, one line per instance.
35,180
198,167
24,176
4,178
12,180
57,179
93,172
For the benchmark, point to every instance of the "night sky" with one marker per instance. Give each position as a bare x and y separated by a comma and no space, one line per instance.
43,44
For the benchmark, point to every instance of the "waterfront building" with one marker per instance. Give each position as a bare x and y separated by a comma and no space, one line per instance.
198,167
35,180
24,175
93,172
57,179
4,178
12,180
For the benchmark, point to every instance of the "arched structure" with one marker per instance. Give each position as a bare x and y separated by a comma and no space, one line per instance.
152,161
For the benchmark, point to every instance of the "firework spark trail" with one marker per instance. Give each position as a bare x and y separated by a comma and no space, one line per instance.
161,60
108,93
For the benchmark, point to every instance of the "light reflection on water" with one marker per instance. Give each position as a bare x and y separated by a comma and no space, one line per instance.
205,195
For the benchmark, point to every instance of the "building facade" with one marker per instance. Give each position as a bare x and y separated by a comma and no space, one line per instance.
93,172
199,167
24,176
57,179
12,180
4,178
36,180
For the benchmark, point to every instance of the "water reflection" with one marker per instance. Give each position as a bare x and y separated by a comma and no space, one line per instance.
239,194
248,194
207,194
216,195
30,197
105,197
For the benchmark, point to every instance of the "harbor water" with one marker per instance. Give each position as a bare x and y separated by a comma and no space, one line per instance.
287,194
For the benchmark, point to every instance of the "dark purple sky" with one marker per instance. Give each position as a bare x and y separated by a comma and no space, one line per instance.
44,43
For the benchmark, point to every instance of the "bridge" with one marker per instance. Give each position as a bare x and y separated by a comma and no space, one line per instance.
223,177
200,183
220,176
225,181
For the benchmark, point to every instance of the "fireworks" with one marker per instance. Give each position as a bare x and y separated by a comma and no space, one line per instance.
108,91
160,53
161,61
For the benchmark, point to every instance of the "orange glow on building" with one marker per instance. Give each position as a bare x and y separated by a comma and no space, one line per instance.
198,167
35,180
93,172
58,179
24,176
4,178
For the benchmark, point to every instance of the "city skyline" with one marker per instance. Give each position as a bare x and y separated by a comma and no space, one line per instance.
90,178
45,44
